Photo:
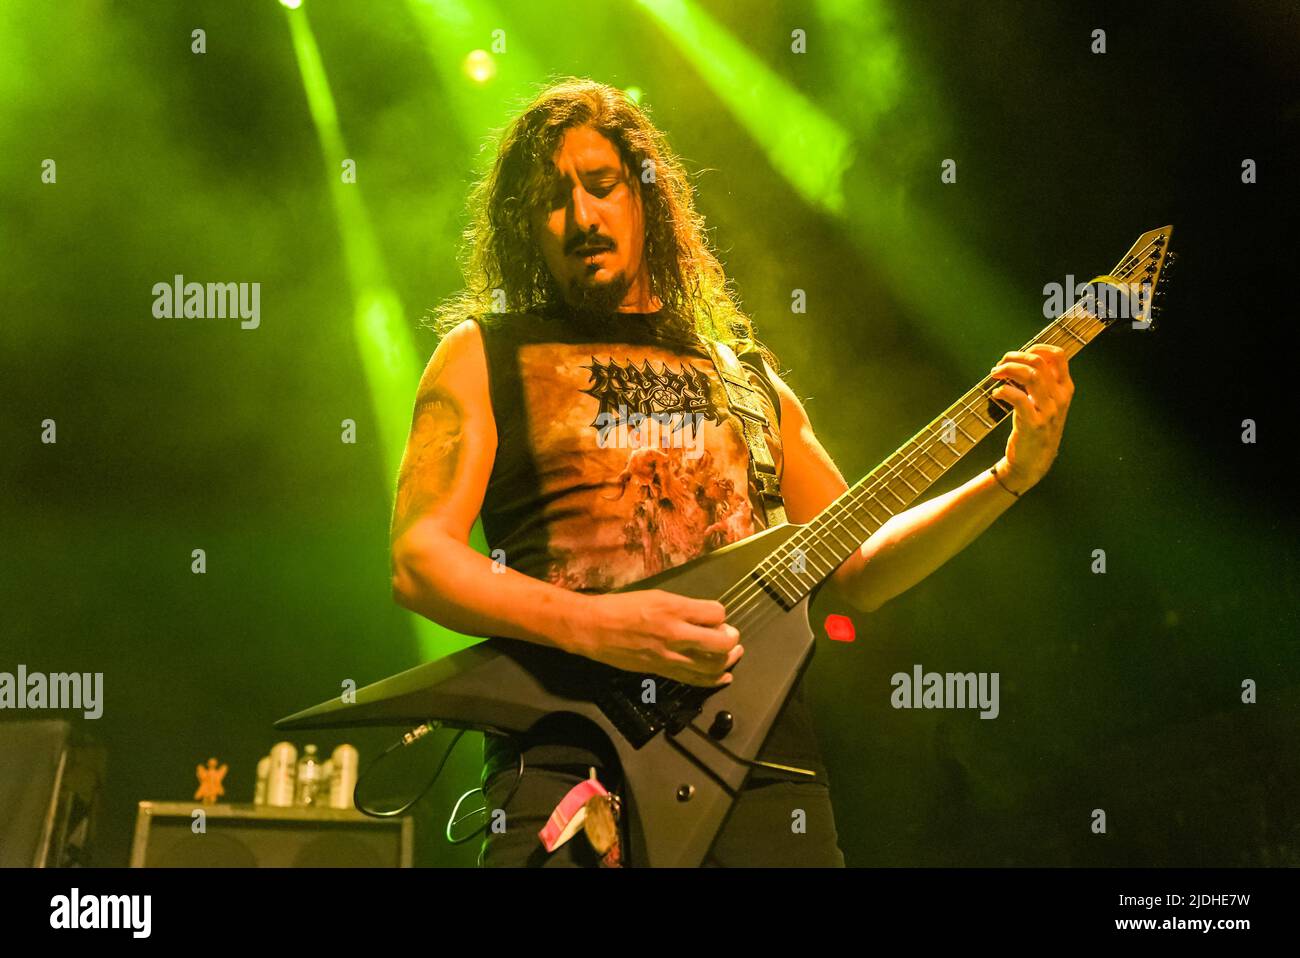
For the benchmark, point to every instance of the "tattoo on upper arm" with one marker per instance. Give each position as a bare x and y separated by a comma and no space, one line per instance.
432,456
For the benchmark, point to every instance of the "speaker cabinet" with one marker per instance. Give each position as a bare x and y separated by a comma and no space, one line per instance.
253,836
50,789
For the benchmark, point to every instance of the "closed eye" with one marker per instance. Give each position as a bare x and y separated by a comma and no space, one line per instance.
599,189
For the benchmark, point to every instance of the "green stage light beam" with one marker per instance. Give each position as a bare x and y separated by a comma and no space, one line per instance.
382,336
483,67
808,148
813,152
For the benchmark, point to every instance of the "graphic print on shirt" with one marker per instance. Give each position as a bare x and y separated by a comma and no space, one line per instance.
641,464
629,394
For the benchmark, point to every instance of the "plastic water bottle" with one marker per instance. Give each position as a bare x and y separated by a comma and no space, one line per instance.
310,778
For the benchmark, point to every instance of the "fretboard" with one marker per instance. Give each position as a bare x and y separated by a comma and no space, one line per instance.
809,557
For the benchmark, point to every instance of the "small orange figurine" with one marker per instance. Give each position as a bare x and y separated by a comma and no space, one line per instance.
210,782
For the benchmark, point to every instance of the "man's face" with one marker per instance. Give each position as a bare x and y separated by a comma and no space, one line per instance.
591,230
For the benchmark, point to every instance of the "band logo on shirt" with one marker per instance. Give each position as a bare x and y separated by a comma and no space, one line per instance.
629,394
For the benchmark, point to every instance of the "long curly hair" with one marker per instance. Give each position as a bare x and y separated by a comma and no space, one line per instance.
501,260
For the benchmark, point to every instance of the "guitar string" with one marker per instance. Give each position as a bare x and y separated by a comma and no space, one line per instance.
755,613
770,567
911,458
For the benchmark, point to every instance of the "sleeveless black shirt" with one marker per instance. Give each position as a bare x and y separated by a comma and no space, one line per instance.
617,457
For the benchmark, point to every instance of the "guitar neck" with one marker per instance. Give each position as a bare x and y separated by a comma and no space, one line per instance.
808,558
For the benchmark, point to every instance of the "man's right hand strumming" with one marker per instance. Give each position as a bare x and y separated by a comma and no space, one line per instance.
655,631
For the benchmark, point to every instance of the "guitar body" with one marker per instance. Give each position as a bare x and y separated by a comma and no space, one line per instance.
681,771
683,785
679,786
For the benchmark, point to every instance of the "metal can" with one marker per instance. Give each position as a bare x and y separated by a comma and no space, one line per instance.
263,773
345,760
280,779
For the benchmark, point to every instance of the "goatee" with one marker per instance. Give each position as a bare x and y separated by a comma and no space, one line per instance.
601,300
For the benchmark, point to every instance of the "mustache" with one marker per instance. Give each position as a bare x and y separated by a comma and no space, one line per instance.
588,241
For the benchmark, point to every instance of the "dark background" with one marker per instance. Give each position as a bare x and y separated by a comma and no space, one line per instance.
1119,691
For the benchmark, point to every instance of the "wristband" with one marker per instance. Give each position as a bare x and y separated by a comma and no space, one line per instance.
994,471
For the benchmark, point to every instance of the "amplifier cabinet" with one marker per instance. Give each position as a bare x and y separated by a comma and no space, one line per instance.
266,836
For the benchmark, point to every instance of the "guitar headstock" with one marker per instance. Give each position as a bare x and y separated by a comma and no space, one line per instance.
1134,288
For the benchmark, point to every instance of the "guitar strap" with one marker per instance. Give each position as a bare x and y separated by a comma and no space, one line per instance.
743,401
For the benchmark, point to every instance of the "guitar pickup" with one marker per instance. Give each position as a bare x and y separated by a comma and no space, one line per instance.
772,591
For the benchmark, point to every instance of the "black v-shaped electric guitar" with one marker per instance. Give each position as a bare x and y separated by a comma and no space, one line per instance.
687,751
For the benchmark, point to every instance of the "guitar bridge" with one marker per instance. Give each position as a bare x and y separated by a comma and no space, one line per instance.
640,721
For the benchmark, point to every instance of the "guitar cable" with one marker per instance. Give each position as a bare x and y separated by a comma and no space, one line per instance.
452,821
409,738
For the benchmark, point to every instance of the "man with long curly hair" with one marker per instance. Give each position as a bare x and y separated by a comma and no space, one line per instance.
591,297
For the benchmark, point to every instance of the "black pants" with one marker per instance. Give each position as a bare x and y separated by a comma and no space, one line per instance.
764,830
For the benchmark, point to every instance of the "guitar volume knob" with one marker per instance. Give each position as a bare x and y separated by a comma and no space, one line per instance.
722,725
